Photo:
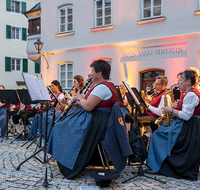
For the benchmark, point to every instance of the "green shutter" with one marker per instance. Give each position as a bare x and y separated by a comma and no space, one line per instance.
24,34
37,68
25,65
23,7
7,63
8,5
8,31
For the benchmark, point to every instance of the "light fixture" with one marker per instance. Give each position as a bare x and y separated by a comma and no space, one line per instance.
38,45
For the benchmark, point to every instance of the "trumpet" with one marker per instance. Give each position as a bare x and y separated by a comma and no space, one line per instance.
86,86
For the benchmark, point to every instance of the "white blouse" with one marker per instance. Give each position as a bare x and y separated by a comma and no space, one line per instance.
190,101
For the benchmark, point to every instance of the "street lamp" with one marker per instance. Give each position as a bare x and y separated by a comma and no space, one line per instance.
38,45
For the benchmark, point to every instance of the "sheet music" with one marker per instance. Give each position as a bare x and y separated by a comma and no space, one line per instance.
43,89
36,91
131,92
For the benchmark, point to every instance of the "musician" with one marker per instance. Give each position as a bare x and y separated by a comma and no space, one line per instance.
57,90
66,141
124,105
174,149
154,108
78,83
3,114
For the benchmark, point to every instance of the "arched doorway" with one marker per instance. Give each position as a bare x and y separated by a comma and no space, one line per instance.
147,76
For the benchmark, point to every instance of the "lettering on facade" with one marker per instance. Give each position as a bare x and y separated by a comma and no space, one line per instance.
158,52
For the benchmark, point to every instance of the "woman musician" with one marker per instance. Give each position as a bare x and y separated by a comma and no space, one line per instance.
178,152
84,124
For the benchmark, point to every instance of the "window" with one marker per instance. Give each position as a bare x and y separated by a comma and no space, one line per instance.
151,8
15,33
102,13
15,6
66,75
34,26
16,64
65,19
198,4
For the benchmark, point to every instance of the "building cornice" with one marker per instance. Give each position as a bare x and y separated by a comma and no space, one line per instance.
127,43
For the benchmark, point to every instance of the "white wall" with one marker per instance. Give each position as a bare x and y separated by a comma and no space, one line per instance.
10,47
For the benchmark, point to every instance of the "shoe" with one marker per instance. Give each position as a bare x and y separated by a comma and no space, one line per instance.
150,171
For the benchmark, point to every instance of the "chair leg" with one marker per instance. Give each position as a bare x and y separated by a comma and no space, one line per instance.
149,139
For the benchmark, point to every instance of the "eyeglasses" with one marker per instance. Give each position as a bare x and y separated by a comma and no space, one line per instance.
157,84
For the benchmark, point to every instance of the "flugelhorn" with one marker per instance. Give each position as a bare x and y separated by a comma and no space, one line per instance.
88,83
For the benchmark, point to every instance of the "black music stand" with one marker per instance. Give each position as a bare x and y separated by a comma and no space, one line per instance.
41,96
8,97
138,102
25,99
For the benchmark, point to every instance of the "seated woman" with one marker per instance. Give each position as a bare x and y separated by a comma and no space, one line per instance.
174,149
124,106
74,138
78,82
3,114
35,127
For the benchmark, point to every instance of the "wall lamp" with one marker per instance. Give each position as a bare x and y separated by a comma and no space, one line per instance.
38,45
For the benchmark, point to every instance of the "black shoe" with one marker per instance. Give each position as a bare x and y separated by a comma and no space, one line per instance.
150,171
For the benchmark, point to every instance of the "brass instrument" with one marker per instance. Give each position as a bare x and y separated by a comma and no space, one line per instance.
165,119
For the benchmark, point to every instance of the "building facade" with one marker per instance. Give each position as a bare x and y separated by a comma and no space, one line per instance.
13,42
140,38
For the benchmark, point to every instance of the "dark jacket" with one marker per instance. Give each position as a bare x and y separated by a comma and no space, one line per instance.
116,141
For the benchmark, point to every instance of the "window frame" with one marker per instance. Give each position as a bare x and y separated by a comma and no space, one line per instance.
66,74
14,10
66,18
21,61
103,14
20,33
152,8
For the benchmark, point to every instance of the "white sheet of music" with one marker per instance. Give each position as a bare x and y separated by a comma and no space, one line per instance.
43,89
35,90
132,93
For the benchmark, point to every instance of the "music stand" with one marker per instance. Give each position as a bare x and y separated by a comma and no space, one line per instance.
38,93
139,102
8,97
25,99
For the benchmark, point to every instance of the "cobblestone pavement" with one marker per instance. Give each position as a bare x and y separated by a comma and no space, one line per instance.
31,174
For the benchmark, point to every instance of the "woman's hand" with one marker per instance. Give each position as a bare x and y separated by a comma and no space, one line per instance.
67,96
77,97
166,109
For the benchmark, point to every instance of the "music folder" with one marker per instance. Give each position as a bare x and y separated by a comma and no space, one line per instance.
135,95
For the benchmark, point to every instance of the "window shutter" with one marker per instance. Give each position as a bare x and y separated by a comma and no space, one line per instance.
25,65
8,5
37,68
24,34
8,31
7,63
23,7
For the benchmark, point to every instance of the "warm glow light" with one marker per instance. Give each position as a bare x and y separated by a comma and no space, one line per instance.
150,20
32,13
64,34
65,62
102,28
104,58
197,12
